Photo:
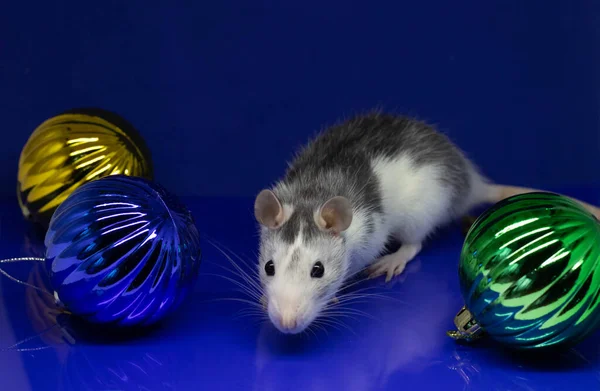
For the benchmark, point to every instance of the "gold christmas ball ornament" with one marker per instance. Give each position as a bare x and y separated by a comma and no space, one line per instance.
73,148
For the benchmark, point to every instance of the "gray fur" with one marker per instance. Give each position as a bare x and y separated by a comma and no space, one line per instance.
338,163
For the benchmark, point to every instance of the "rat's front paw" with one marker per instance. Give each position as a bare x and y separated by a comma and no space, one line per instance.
391,265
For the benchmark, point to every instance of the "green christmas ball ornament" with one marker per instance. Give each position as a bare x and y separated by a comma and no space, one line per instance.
530,274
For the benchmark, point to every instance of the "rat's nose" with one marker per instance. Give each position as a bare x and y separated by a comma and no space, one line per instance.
288,321
286,315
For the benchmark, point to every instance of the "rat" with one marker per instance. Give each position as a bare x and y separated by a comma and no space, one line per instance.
352,189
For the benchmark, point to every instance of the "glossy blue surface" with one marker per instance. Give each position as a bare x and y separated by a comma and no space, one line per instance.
399,344
122,251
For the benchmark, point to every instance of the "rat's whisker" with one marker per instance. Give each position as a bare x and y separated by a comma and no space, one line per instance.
237,300
239,269
244,276
250,285
345,305
309,330
345,300
333,314
246,262
348,311
360,293
353,297
233,263
250,313
349,285
233,281
252,310
349,278
348,314
319,326
332,322
340,310
244,289
328,323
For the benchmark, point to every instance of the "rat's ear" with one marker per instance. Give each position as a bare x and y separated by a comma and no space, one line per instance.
268,210
335,215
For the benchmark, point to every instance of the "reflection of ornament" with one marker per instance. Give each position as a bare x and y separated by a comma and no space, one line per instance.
132,368
122,250
33,241
530,273
465,369
44,313
74,148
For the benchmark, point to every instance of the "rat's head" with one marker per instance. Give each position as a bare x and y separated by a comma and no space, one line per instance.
303,258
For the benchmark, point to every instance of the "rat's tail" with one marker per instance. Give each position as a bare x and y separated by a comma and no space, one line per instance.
496,193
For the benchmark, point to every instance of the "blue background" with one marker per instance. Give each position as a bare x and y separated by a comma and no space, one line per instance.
225,91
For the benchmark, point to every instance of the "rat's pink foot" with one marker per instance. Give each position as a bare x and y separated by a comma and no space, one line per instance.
393,264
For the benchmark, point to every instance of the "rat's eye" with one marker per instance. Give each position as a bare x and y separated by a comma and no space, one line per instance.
270,268
317,270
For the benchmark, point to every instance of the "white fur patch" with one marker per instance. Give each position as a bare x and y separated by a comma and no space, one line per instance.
414,199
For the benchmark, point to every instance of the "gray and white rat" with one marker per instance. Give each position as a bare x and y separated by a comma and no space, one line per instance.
358,184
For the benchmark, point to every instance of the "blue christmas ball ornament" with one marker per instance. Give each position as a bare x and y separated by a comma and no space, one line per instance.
121,250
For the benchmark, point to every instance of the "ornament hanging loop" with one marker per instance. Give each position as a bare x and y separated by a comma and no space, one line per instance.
30,259
467,327
22,259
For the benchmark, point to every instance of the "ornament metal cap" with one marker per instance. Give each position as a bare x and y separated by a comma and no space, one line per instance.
468,328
